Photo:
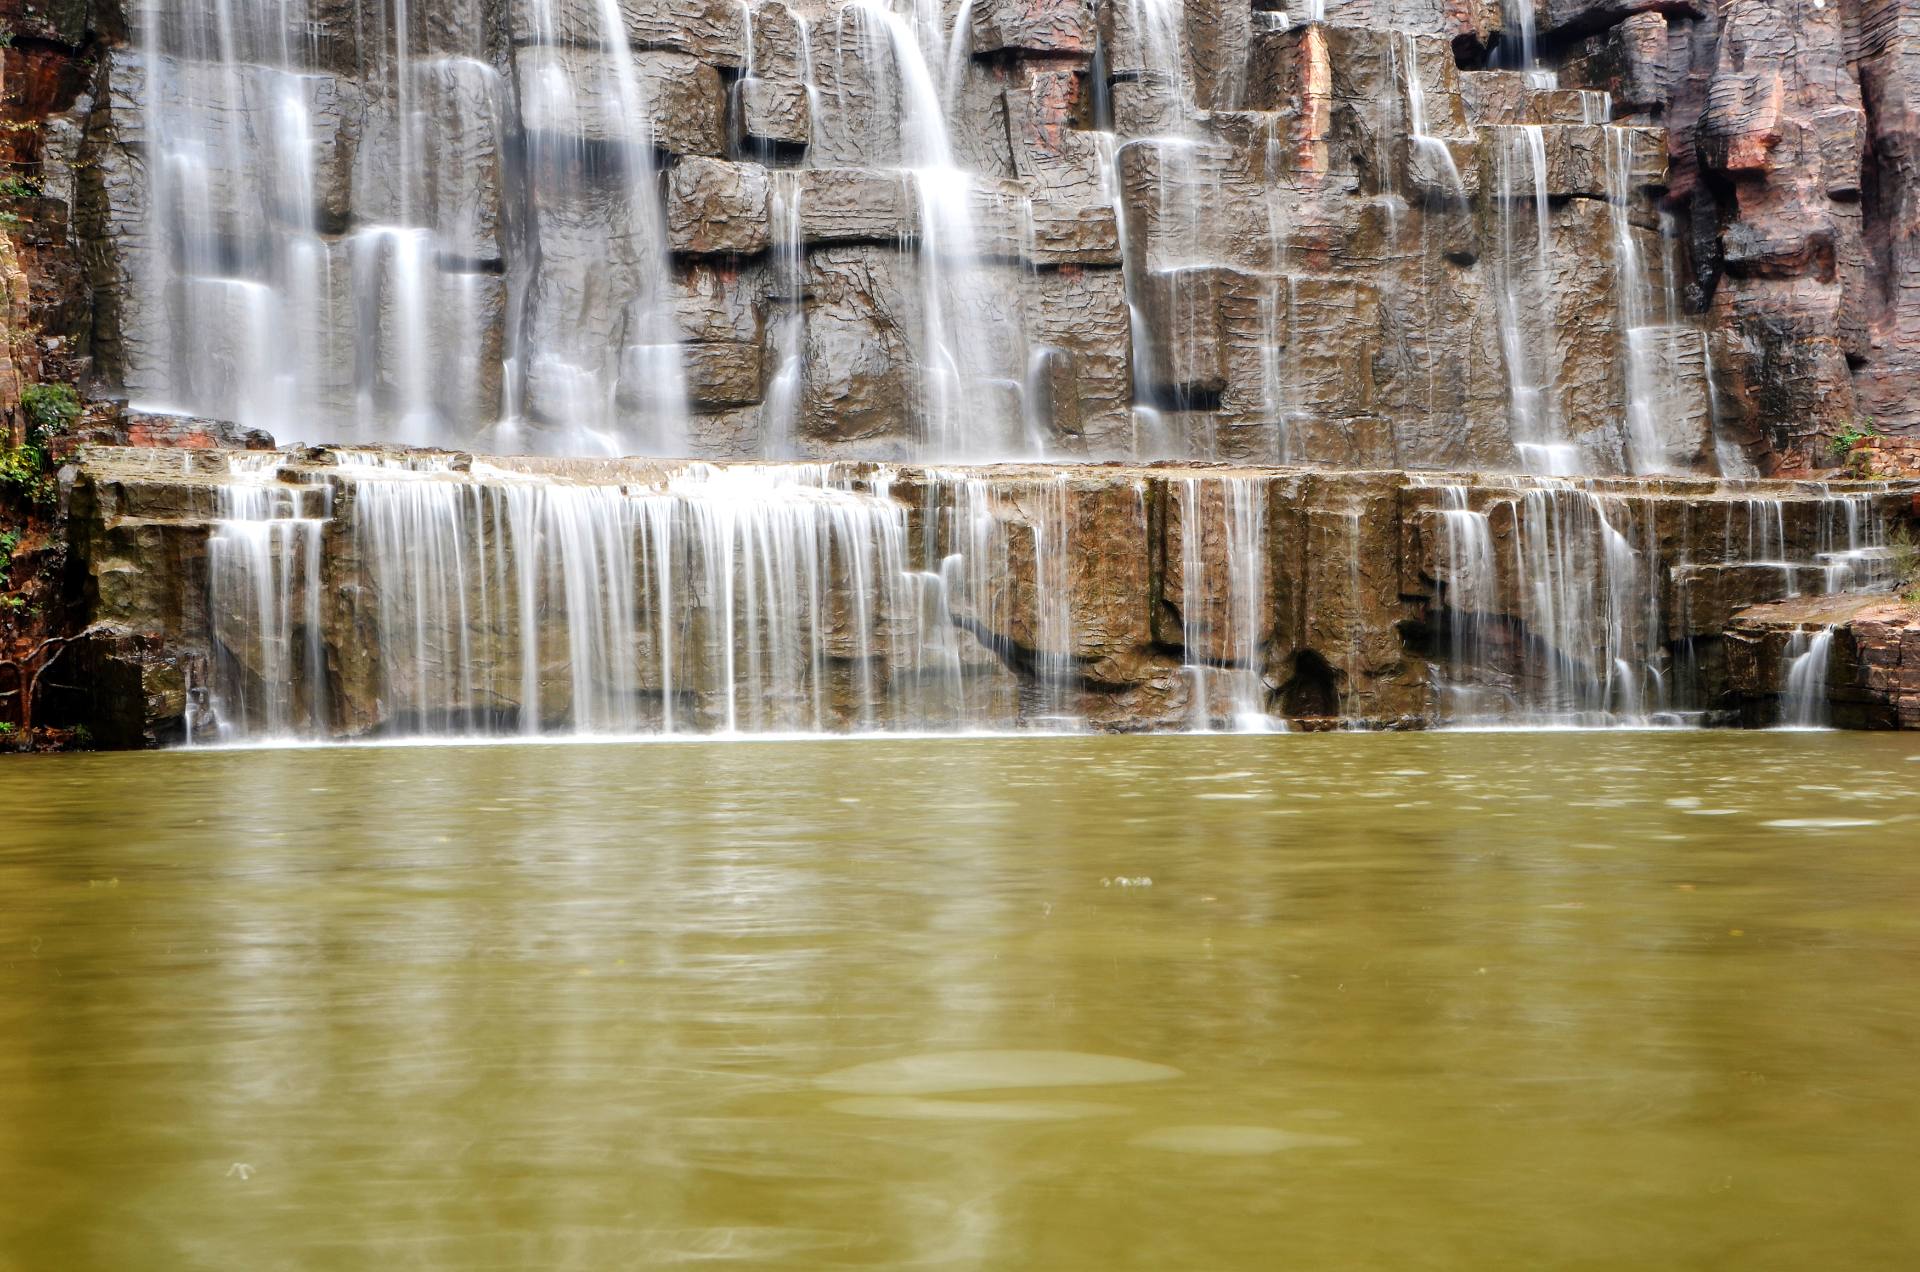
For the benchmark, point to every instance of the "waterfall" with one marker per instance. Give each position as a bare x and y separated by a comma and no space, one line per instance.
1569,623
1803,704
1589,590
615,384
1223,599
1519,35
1469,593
741,599
1526,302
1584,581
961,416
789,344
448,224
1406,57
264,597
1649,324
231,193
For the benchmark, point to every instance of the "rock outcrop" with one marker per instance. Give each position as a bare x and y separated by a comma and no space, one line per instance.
1869,672
1791,129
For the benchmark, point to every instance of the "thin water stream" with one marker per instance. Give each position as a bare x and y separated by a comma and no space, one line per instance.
1344,1001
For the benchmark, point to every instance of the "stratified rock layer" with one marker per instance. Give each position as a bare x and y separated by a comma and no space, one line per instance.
1871,675
341,594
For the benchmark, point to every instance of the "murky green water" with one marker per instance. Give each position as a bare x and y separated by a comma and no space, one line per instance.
1481,1001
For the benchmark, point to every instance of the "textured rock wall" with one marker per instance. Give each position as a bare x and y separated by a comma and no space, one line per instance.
45,307
1871,679
1791,128
1312,283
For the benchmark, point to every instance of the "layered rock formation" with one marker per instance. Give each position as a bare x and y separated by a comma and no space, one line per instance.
341,594
741,230
1381,240
1337,235
1791,128
1854,662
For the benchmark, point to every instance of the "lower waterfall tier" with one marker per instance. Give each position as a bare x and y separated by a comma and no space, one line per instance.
333,594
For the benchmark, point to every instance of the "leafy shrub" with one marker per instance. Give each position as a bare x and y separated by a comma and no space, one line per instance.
50,410
1845,440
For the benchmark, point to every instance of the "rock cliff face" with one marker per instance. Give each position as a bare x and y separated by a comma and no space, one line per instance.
1056,228
1852,662
1791,128
342,594
1355,249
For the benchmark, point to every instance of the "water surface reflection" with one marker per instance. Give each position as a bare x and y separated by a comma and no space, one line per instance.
1447,1001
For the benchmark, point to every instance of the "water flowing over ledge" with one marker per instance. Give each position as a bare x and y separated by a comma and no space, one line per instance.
339,593
1064,229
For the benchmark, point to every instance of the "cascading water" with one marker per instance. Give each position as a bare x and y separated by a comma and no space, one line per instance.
1655,339
962,359
742,599
1569,623
599,349
264,592
441,223
1223,599
1526,299
1430,149
1803,705
596,228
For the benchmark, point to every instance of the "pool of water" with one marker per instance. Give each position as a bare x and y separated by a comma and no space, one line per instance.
1420,1001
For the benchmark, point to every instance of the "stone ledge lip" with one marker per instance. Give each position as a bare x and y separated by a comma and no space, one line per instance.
214,466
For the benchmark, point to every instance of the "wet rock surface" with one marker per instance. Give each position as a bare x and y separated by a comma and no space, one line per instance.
1118,597
1870,677
1346,252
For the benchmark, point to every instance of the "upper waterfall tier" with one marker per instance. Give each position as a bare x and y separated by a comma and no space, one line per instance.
977,230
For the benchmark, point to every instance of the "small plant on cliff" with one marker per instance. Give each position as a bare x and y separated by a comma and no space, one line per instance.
9,540
1852,435
49,410
18,187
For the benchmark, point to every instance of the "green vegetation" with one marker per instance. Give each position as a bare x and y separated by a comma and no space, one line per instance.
1904,552
50,408
19,187
27,469
1858,431
1904,556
